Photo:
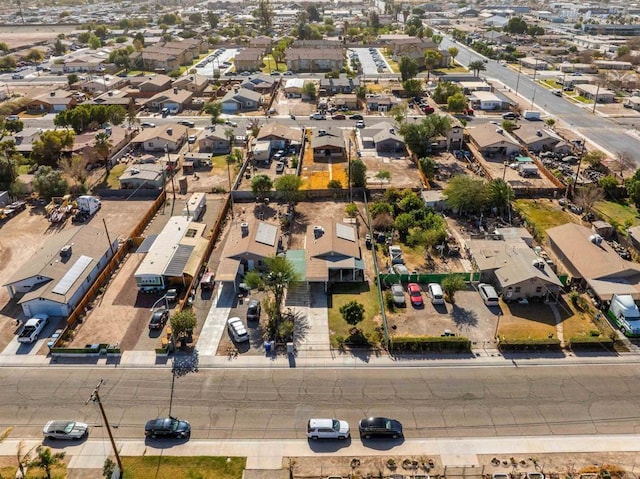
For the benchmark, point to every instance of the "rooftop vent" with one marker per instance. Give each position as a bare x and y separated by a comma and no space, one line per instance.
499,131
175,91
244,227
318,231
539,132
596,239
65,252
169,131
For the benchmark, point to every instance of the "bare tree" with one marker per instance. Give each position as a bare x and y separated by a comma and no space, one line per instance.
76,168
587,196
623,161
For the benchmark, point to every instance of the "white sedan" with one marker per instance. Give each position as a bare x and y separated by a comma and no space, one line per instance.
65,430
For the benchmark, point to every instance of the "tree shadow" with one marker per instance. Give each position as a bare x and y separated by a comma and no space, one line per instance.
463,317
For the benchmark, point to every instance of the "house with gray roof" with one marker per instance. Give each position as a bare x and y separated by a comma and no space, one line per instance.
147,176
55,279
384,137
491,139
240,99
328,144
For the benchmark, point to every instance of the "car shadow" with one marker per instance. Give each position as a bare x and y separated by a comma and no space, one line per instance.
382,444
62,443
165,443
328,445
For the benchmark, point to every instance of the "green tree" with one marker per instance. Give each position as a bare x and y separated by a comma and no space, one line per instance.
14,126
444,90
437,39
351,210
412,87
428,167
94,42
452,284
609,184
183,322
214,109
46,460
313,13
288,187
465,194
48,147
8,170
453,53
457,103
358,173
383,175
103,144
509,125
587,196
261,185
352,312
399,112
72,78
499,194
477,66
404,222
334,185
4,47
633,188
432,59
419,136
48,182
309,90
34,56
408,68
279,274
264,14
516,25
8,62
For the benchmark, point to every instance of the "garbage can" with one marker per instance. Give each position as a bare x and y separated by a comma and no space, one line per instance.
267,347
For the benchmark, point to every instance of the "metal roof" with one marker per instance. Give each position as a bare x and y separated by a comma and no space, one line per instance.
70,277
146,244
179,260
345,232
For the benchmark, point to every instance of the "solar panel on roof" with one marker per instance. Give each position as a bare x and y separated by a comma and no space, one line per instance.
64,285
345,232
266,234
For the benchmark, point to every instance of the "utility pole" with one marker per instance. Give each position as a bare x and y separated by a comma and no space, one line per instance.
95,397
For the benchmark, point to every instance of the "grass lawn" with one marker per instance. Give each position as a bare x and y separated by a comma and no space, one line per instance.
270,65
364,294
541,215
57,472
374,87
617,213
114,174
577,324
172,467
447,70
582,99
526,321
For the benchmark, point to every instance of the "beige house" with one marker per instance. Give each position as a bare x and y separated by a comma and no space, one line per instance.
249,59
174,99
313,60
155,139
490,139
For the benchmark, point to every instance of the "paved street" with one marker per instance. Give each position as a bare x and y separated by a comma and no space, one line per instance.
431,401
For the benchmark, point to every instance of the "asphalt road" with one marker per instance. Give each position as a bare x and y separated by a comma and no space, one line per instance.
445,402
602,131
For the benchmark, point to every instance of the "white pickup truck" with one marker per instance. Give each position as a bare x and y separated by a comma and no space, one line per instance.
32,328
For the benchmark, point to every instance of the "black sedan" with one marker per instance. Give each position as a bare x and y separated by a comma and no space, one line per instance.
380,427
167,427
159,319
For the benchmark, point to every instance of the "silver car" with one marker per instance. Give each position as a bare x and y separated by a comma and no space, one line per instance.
237,331
398,295
65,430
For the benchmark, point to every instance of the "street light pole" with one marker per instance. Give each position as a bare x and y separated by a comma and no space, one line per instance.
518,80
595,101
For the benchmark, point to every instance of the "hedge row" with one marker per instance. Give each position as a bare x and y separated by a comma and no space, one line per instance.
549,344
591,342
439,344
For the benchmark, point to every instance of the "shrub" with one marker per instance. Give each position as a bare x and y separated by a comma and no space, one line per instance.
388,300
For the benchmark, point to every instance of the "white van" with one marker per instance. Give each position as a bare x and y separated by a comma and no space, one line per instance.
435,293
488,294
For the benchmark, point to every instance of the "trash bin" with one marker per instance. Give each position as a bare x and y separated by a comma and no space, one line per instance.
267,347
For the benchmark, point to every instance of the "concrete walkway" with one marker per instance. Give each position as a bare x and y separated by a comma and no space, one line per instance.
559,325
216,322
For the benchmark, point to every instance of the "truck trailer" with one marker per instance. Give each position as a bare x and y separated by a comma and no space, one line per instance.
195,206
531,115
625,313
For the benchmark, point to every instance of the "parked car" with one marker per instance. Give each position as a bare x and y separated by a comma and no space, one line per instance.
167,427
327,429
172,295
415,294
253,310
428,109
159,318
147,124
279,167
356,117
207,280
488,294
398,295
317,116
338,116
510,116
230,123
237,331
65,430
380,427
12,118
435,293
360,124
54,337
191,139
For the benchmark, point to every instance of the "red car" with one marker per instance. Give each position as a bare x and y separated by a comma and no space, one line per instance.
428,110
415,294
338,116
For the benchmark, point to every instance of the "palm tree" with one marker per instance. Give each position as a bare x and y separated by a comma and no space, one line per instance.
499,194
103,144
46,460
432,58
477,66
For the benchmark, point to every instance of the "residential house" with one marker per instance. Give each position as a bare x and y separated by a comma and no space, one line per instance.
249,59
83,144
414,48
490,139
145,175
115,97
280,136
52,282
171,257
240,100
85,61
536,138
196,84
150,85
261,42
328,144
433,199
24,140
380,103
384,137
53,102
534,63
263,84
486,100
313,60
591,262
294,87
174,100
156,61
215,141
102,83
514,268
348,100
602,95
333,86
250,241
171,136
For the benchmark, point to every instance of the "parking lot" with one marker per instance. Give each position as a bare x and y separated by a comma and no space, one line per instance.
216,61
468,317
372,61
